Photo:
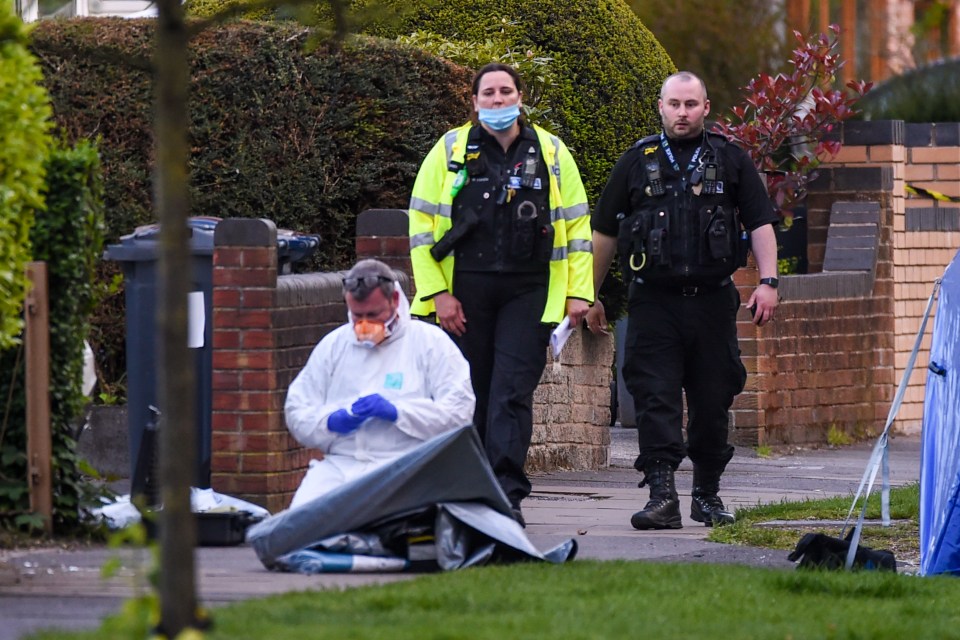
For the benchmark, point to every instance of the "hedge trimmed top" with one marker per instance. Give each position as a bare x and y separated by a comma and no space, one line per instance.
929,93
609,66
306,139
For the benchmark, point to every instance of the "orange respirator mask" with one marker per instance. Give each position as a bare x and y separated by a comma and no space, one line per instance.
370,333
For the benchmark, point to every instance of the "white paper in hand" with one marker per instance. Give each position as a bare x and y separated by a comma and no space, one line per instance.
559,336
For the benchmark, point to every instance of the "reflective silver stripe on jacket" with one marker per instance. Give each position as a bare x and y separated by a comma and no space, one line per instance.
559,253
421,239
424,206
449,140
556,159
569,213
580,245
431,209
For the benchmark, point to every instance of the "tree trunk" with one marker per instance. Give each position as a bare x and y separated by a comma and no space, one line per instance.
177,378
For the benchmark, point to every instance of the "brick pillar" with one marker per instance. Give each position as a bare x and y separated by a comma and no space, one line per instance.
254,458
925,243
571,407
747,425
383,234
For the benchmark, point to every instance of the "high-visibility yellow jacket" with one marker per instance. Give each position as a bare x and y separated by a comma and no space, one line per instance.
431,205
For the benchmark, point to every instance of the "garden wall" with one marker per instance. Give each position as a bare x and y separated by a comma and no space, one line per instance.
837,350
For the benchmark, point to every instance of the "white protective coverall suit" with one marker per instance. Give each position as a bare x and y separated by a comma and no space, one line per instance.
417,368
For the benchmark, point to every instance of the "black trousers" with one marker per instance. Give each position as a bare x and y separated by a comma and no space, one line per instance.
679,344
506,346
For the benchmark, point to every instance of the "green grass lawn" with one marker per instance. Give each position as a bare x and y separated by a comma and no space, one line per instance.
589,599
903,537
621,600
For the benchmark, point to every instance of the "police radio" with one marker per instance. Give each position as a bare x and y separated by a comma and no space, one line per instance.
654,180
710,172
528,179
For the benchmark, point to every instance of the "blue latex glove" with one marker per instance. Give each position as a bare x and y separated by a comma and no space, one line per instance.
340,421
374,406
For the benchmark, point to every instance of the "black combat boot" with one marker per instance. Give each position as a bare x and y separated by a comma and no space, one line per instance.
518,516
663,509
706,506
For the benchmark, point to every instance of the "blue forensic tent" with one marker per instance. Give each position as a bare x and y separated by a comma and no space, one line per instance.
940,459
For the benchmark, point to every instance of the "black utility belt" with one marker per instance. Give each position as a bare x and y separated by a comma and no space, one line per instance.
685,290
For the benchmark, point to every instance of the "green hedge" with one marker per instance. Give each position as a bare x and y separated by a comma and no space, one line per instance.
68,236
926,94
308,140
608,66
24,140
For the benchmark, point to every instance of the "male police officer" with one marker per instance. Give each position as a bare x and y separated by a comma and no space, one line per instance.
673,209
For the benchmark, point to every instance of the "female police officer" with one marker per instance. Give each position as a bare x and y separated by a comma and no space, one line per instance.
501,250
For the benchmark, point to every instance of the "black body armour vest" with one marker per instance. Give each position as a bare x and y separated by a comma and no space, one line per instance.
684,228
507,202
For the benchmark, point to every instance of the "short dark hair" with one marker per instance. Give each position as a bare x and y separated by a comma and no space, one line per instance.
686,76
367,275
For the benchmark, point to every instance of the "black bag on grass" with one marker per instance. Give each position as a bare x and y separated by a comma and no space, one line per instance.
820,551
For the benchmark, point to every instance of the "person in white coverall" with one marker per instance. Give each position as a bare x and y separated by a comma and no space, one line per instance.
376,387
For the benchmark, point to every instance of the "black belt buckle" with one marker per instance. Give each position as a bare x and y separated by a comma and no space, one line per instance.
690,291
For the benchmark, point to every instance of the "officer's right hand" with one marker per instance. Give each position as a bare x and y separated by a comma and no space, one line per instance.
342,422
450,314
597,319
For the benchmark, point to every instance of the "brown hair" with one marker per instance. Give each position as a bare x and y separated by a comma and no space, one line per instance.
496,66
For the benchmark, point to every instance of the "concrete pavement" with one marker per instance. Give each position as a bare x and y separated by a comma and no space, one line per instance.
56,587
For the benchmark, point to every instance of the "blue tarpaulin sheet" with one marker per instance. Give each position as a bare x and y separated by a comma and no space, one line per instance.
940,458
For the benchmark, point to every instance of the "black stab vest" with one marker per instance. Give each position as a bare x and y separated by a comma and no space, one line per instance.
679,233
511,199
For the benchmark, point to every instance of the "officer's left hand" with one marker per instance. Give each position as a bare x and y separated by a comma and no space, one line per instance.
765,298
374,406
450,314
577,310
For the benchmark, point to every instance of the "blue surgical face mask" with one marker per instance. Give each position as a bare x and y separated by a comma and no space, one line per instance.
499,119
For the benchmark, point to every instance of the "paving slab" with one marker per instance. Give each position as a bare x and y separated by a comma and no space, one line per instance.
62,588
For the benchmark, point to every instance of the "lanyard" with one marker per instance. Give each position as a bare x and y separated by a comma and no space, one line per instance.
673,161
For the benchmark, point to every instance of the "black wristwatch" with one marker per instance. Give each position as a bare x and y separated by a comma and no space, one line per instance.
773,282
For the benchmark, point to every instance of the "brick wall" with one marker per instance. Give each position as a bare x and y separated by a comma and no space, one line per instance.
834,356
253,455
926,241
571,407
826,361
265,326
926,232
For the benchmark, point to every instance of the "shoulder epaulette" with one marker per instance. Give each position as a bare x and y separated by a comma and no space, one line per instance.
718,137
644,142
